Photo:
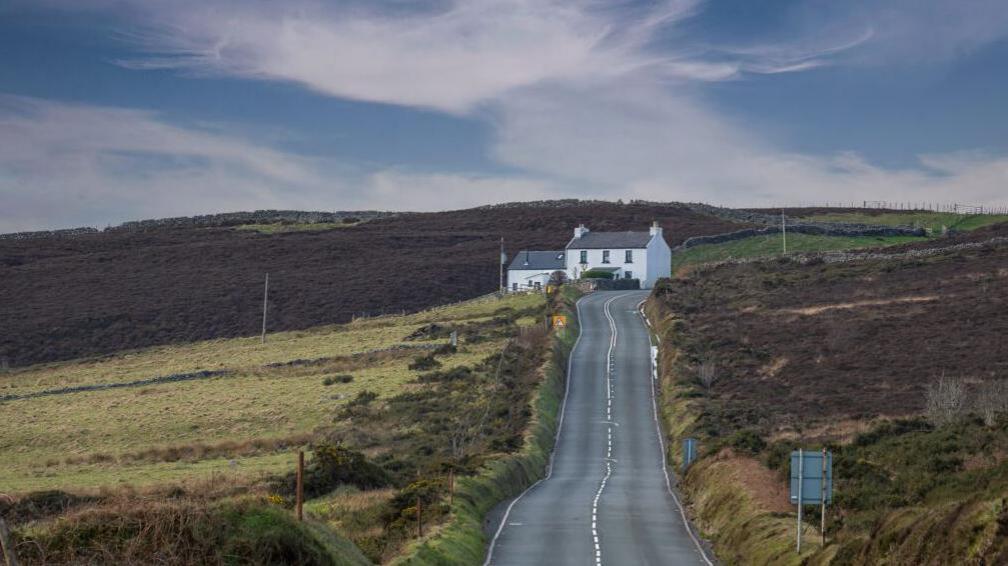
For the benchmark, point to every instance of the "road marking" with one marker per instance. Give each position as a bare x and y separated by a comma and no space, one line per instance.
661,445
556,441
610,366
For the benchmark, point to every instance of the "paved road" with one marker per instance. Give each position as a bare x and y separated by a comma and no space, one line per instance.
606,500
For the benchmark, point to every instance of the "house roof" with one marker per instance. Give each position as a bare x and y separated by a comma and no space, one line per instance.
538,260
610,240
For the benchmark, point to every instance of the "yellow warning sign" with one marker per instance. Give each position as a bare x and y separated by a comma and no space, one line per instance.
559,321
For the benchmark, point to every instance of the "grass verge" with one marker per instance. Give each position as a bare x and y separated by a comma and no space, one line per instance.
461,539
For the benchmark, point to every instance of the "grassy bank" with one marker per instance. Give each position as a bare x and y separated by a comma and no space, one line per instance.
385,406
840,356
461,539
181,530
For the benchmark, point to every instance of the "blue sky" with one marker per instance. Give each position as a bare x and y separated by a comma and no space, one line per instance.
119,109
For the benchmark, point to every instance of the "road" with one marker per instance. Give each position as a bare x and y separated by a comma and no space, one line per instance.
606,499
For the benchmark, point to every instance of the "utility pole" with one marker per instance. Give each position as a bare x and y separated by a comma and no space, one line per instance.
822,499
801,480
265,299
502,267
783,227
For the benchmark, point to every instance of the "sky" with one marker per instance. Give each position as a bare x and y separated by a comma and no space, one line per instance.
114,110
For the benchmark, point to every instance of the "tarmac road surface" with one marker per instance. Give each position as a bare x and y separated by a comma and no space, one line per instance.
606,499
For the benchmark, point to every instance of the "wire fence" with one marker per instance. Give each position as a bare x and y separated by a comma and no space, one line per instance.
916,206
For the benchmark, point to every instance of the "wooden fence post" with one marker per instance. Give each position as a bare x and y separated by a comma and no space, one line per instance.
419,518
300,485
5,545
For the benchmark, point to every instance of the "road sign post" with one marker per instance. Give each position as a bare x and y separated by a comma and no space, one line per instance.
689,452
811,484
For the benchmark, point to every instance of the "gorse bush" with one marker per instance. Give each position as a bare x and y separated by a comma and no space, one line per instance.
333,465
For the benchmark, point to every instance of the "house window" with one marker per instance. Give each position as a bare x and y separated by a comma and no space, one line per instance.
514,286
584,256
629,257
628,275
605,256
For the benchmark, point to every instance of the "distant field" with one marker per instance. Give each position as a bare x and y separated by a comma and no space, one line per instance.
280,228
237,424
932,221
770,245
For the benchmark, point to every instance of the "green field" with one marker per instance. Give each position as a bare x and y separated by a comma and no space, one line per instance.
932,221
245,423
770,245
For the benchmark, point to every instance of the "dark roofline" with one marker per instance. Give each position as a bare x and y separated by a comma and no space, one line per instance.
570,245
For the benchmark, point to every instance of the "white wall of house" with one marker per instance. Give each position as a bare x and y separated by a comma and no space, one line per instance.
617,258
659,263
647,264
527,279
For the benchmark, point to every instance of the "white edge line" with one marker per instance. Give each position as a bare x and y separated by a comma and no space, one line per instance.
661,443
556,440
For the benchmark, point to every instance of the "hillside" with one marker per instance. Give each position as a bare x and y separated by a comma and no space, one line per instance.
96,293
812,352
196,443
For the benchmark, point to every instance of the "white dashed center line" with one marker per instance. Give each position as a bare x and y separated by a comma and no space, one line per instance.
610,366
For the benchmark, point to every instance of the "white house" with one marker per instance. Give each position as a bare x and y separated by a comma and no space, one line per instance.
532,270
630,255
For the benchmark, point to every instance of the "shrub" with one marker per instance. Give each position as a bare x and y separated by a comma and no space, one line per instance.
331,379
992,401
946,400
597,274
706,374
333,465
454,374
423,363
747,441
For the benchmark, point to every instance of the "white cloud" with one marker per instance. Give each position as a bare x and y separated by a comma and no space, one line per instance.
639,141
449,57
586,99
70,165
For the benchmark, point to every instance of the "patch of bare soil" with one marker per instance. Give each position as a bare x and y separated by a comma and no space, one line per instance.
857,304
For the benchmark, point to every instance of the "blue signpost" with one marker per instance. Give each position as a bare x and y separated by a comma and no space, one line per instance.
811,484
688,452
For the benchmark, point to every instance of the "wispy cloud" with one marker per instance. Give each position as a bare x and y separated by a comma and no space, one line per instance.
585,98
72,164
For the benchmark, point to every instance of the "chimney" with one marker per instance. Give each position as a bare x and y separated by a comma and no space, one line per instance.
655,228
580,231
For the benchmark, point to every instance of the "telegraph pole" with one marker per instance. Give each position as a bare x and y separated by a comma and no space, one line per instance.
783,228
265,298
502,266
